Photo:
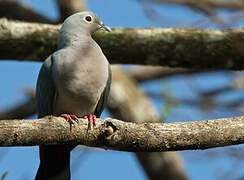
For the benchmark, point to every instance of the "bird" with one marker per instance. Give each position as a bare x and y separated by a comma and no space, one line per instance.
73,82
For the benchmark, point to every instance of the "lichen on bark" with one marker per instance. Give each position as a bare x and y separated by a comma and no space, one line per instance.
189,48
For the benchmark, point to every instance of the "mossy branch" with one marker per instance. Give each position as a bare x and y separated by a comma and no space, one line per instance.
124,136
196,49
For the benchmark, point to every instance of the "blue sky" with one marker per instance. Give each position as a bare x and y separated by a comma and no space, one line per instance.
22,162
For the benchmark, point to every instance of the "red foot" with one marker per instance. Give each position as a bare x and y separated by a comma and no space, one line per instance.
91,120
70,118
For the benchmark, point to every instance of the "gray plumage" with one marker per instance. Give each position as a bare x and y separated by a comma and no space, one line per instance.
74,80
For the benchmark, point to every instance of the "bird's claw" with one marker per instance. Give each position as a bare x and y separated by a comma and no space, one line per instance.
70,118
91,120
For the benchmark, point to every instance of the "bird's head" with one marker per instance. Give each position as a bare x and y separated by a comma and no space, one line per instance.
86,20
77,27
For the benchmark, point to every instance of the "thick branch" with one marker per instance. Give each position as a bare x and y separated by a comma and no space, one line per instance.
204,49
119,135
153,163
29,41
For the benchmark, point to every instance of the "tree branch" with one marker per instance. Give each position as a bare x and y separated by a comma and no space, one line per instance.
229,5
148,73
69,7
21,110
119,135
129,103
142,74
198,49
13,9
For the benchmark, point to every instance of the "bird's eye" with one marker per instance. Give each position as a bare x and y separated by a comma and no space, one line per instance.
88,18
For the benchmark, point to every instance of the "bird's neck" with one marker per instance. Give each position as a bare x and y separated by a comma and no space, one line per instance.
66,39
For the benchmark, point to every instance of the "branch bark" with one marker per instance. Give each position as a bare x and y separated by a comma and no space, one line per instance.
196,49
163,165
124,136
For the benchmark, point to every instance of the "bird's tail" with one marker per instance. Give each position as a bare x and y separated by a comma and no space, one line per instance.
54,163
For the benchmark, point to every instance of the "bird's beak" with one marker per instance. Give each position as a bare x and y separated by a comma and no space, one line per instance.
105,28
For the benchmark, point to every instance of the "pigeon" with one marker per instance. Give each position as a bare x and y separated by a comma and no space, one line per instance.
73,82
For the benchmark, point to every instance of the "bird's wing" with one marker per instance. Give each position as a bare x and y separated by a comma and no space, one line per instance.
104,96
54,160
45,89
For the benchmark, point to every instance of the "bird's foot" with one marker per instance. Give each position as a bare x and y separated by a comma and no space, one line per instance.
70,118
91,120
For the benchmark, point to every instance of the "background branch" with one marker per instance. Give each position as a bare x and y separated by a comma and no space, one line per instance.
16,10
213,49
21,110
128,102
209,8
69,7
147,73
230,5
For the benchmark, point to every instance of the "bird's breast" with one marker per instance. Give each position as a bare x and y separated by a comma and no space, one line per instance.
80,85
